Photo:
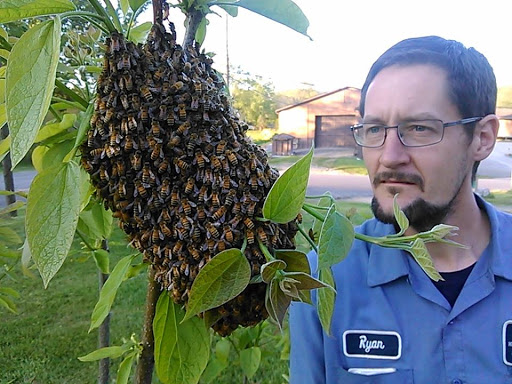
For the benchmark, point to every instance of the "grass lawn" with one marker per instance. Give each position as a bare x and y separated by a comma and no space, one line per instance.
346,164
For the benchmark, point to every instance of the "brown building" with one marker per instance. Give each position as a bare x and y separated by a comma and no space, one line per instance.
505,116
324,119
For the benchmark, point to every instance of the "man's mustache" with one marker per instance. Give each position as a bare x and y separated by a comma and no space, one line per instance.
400,177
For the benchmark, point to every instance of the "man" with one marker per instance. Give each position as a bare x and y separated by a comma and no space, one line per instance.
427,109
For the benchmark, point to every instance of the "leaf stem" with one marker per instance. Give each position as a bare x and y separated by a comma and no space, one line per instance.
306,236
265,251
87,244
72,95
55,113
102,12
5,44
70,103
309,209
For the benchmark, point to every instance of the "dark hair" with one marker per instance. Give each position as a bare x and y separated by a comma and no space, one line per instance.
471,81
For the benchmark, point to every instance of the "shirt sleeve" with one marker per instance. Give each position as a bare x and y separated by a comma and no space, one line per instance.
307,348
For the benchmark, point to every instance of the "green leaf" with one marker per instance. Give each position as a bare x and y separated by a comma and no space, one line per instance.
125,368
107,352
285,12
306,281
95,221
289,287
9,236
224,277
269,270
286,197
44,157
102,260
231,10
324,202
213,370
139,33
296,261
26,257
222,350
136,4
52,215
335,240
109,291
8,304
401,219
325,300
85,119
30,79
135,270
201,31
12,10
12,207
53,129
250,359
10,292
181,347
124,4
420,253
276,302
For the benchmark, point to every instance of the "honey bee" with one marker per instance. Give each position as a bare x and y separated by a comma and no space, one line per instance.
165,229
201,213
165,88
140,189
201,196
227,182
114,138
144,113
156,152
136,160
129,144
171,118
210,243
97,152
215,199
249,233
185,221
163,166
221,245
248,223
262,178
219,213
251,208
145,236
177,86
147,173
109,114
262,235
165,188
183,128
90,138
156,235
253,162
163,112
187,205
128,82
194,103
189,187
194,252
146,93
124,126
157,251
196,234
132,123
174,141
230,197
180,165
227,233
121,187
87,165
115,45
236,220
178,247
225,164
197,86
182,112
220,147
254,182
216,163
175,197
124,101
237,207
103,173
159,73
200,158
212,231
155,203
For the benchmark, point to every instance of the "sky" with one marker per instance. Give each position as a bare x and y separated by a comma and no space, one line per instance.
349,35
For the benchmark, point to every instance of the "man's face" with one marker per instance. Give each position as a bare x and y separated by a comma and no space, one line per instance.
429,180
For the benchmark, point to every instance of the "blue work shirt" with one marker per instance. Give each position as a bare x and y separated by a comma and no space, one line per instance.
390,320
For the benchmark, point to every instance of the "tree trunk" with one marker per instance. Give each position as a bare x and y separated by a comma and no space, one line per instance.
146,363
8,177
104,331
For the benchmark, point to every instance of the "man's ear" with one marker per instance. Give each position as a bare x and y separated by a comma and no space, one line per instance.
484,137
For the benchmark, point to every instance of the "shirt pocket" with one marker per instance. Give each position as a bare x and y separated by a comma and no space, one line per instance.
400,376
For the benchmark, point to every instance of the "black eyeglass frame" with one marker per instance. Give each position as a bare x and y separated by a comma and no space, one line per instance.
465,121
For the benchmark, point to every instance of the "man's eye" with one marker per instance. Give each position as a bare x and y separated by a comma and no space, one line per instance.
373,130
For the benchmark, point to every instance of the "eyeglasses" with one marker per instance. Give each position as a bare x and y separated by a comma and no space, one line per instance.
417,133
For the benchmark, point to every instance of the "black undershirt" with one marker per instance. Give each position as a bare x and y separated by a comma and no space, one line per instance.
453,283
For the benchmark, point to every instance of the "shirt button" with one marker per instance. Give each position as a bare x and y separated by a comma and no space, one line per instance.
456,381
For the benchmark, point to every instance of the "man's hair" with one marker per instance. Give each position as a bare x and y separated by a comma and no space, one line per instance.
471,81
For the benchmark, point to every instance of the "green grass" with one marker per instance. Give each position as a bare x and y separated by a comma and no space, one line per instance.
503,200
345,164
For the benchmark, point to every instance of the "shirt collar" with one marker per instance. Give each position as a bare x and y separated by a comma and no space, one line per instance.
387,264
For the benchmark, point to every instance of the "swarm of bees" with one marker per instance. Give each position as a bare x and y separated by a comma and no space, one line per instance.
170,157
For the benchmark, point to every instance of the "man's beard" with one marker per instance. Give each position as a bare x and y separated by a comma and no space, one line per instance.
422,215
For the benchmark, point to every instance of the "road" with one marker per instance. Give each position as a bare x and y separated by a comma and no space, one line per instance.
494,174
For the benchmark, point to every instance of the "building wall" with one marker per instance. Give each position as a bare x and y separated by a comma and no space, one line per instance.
299,121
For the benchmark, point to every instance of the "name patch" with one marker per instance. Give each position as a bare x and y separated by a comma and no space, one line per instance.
373,344
507,342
